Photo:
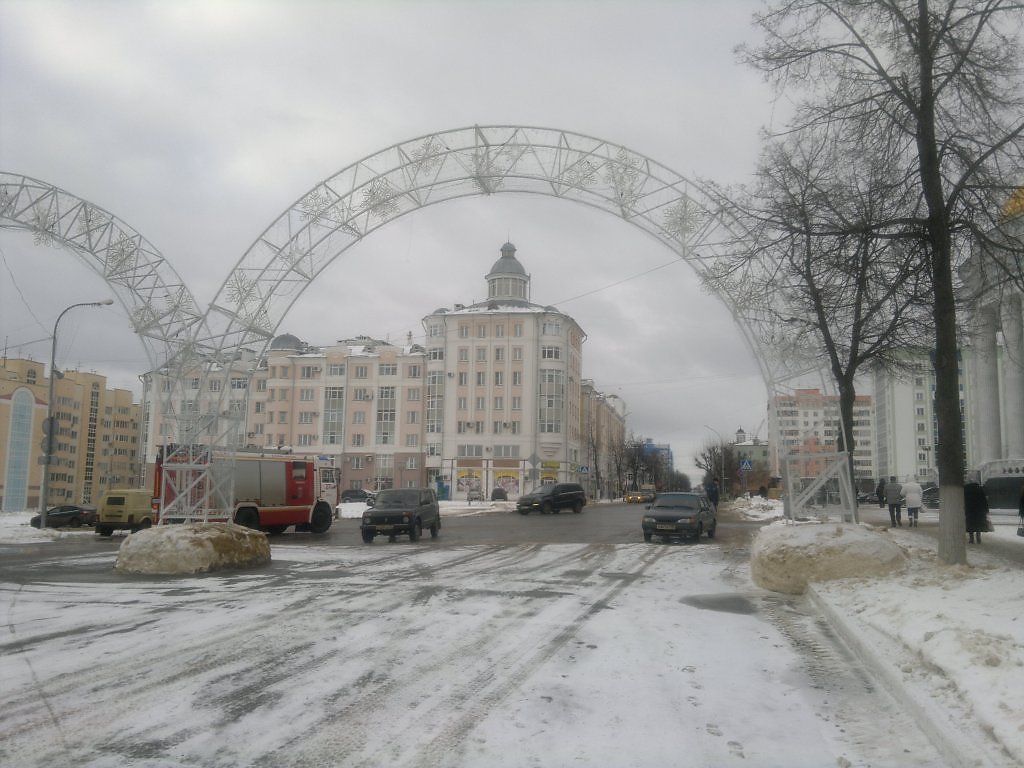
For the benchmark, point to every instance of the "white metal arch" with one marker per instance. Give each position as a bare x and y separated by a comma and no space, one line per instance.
691,219
161,309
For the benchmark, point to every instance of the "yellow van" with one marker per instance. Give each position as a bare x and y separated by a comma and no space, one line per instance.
125,508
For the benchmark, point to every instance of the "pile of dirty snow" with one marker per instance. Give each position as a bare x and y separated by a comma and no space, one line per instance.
192,548
784,558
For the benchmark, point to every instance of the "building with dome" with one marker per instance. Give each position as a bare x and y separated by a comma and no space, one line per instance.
503,388
491,398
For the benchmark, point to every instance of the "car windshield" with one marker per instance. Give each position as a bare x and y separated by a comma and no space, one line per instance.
397,498
675,502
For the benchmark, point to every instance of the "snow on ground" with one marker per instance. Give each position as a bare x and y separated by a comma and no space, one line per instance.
951,637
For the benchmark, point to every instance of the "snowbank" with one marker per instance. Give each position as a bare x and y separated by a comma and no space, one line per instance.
784,558
193,548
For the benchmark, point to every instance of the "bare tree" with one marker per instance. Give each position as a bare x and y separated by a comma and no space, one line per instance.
937,83
831,260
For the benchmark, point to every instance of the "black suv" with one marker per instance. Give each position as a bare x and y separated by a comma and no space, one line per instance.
553,497
402,511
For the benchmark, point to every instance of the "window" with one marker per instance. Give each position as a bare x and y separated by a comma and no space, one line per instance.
307,395
335,369
517,403
463,331
481,403
357,440
435,353
481,354
387,369
499,354
550,353
462,403
413,371
481,379
357,462
307,440
261,385
358,417
499,403
517,353
362,371
517,378
551,328
463,378
306,417
463,354
412,440
362,393
412,417
215,385
517,330
410,463
499,331
506,451
239,383
282,417
309,372
499,378
258,407
470,451
412,394
481,331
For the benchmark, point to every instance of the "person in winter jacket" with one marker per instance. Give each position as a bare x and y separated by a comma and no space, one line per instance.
912,496
880,493
894,498
975,511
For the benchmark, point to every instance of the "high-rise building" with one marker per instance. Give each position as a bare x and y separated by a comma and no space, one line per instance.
95,445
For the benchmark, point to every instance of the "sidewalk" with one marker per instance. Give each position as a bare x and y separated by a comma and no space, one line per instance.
945,641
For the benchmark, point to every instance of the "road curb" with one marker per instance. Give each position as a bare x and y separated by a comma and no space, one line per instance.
961,748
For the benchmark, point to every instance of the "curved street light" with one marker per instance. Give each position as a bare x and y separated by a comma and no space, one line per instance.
48,424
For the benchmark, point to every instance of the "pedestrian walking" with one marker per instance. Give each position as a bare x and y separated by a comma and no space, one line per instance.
894,498
880,493
712,492
912,497
975,511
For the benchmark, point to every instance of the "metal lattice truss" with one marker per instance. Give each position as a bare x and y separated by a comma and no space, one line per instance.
689,218
692,220
162,310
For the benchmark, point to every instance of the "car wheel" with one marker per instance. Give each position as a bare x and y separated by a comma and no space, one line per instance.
524,511
435,528
647,538
577,508
546,508
414,531
104,530
711,531
248,518
276,530
392,539
321,518
142,526
700,530
367,537
75,522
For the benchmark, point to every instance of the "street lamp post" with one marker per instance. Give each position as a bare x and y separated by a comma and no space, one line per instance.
50,427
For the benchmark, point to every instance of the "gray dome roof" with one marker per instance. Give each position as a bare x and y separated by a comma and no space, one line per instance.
287,341
508,264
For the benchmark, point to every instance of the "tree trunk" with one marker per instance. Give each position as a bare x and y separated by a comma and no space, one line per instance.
949,451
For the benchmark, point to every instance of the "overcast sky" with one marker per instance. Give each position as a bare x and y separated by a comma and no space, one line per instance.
199,123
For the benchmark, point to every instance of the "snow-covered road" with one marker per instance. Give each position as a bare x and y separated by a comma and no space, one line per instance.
422,655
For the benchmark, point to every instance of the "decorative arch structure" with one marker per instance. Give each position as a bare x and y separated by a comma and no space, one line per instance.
691,219
161,309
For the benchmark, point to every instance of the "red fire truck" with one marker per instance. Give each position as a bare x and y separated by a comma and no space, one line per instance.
271,491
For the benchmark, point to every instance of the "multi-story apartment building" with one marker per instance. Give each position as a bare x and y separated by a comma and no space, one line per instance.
492,398
604,434
95,445
504,383
807,422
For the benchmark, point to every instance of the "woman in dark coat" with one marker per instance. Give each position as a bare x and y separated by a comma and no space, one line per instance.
975,511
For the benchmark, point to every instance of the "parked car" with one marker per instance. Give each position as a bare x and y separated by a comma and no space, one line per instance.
930,497
356,494
402,511
475,495
499,494
552,498
679,515
67,516
131,508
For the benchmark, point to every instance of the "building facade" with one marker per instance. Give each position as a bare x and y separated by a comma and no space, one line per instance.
493,397
95,445
806,423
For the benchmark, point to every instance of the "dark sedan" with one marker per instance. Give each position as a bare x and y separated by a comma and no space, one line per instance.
679,515
67,516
